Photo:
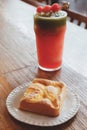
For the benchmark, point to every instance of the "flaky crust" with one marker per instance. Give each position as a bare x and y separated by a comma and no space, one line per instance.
44,97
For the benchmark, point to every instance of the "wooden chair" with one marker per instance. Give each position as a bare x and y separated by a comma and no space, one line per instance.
77,18
33,2
46,1
36,2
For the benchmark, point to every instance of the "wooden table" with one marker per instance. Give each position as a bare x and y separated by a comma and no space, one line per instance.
18,63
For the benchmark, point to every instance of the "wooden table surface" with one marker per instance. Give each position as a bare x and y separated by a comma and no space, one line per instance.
18,63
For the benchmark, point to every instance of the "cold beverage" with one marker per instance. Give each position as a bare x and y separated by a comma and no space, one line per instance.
50,31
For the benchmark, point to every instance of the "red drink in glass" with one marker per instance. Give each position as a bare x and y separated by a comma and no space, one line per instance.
50,33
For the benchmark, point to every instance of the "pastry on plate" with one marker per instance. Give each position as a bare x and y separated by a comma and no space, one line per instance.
43,97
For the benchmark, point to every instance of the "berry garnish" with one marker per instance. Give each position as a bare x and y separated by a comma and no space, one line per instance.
46,8
39,9
55,7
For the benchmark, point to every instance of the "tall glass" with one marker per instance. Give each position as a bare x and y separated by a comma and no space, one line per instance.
50,33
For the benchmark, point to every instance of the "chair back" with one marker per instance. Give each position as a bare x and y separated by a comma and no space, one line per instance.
78,17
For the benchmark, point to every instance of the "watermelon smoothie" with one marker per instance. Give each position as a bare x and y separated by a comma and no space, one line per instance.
50,31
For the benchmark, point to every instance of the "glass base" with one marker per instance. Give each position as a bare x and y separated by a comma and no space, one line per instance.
49,69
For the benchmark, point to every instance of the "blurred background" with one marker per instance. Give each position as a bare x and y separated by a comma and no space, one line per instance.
79,6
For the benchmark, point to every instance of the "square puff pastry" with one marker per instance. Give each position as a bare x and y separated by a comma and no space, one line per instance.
43,97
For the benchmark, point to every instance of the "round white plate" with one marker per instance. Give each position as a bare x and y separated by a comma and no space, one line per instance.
70,108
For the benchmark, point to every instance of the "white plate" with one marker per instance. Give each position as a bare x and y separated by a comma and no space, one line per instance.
70,108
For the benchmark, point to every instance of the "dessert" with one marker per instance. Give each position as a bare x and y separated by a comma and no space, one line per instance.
43,97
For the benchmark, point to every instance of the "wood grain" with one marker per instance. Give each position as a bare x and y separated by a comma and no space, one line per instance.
22,76
18,63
